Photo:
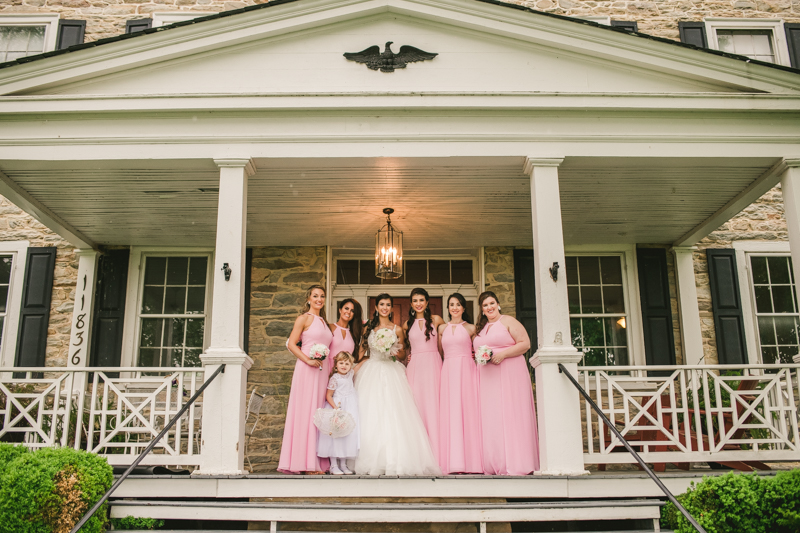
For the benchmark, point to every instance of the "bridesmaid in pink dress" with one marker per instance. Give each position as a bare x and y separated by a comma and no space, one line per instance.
508,415
460,450
346,329
299,448
425,364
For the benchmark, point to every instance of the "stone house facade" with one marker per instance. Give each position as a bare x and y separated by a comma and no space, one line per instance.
280,275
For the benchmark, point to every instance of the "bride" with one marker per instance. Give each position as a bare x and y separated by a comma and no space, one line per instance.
393,437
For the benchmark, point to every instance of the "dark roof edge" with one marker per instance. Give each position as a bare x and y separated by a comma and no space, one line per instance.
272,3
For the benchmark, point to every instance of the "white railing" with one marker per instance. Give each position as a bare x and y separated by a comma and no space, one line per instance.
114,412
741,416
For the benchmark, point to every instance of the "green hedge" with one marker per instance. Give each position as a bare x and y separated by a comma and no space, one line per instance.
49,490
143,524
738,503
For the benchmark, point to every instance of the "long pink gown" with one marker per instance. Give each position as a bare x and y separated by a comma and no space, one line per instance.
424,376
340,344
508,415
299,448
460,449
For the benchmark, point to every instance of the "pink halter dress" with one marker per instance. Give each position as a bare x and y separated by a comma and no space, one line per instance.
459,410
299,448
341,344
508,415
424,376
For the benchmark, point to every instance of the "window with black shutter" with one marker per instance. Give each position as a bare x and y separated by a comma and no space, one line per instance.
525,294
70,33
627,25
693,33
35,310
132,26
793,41
109,308
726,304
659,341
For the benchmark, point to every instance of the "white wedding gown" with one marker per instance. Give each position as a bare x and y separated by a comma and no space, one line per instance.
393,439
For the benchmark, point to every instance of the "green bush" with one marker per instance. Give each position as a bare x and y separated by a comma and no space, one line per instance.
130,522
739,502
49,490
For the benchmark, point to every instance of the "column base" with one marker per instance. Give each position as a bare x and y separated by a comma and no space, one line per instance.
562,473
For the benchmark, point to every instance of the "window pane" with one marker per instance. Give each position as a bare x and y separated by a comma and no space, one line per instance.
152,300
2,324
175,301
573,294
368,276
575,328
594,357
787,353
198,267
755,44
589,270
759,266
611,270
439,272
612,299
615,332
572,270
766,330
5,269
462,272
149,357
177,270
763,299
174,331
20,41
786,329
617,356
778,269
196,300
194,332
151,332
346,272
591,300
782,299
192,357
171,357
592,331
3,297
155,270
769,355
416,272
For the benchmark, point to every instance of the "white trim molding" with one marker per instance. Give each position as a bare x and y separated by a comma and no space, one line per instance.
775,26
19,251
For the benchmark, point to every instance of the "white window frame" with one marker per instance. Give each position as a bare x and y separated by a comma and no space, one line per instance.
48,20
743,250
630,291
600,19
19,251
135,291
773,25
171,17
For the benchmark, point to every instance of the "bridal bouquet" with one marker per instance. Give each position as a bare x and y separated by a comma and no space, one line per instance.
318,352
384,340
483,355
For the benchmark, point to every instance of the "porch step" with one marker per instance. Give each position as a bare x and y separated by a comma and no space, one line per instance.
588,510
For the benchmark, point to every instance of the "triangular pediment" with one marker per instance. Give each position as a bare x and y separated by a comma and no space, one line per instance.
297,48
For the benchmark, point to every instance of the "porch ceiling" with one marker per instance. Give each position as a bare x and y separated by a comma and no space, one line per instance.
440,203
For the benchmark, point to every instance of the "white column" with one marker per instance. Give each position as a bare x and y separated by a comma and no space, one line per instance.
790,185
688,310
557,400
80,334
224,400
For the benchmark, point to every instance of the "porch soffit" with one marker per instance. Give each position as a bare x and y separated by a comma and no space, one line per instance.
297,48
439,202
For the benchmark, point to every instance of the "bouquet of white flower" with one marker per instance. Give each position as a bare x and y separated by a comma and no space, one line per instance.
385,339
483,355
318,352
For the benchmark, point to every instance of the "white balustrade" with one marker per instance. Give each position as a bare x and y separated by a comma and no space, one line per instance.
684,414
114,412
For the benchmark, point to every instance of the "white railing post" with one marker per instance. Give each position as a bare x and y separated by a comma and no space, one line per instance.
790,186
688,310
223,402
557,401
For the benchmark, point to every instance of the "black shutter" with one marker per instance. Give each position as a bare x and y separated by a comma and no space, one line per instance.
70,33
627,25
726,303
659,343
248,267
109,308
525,293
793,40
132,26
34,314
693,33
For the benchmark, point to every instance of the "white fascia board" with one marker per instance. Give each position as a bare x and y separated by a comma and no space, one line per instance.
22,105
294,17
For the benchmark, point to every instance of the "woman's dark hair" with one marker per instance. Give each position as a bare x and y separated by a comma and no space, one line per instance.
376,318
482,321
412,316
465,315
356,324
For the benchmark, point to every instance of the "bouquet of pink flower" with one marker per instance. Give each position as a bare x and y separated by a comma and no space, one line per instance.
483,355
318,352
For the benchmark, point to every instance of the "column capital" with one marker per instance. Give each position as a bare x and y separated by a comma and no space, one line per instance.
531,162
232,162
85,252
222,356
683,249
792,163
554,355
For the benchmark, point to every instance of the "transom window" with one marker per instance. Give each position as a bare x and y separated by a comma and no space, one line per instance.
415,272
755,44
172,313
598,316
776,311
6,262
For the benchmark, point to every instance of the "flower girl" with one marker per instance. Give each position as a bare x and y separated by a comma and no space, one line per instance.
341,395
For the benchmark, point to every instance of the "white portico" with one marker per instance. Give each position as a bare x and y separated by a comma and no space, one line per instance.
251,129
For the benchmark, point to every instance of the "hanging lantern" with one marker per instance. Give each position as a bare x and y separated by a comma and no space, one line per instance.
388,250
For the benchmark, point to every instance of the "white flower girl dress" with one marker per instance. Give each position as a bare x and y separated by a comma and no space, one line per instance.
393,438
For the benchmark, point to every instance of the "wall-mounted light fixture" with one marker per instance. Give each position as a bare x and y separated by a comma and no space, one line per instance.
225,268
554,271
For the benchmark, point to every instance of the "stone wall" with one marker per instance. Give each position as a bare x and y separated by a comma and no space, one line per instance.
280,278
762,220
17,225
106,18
499,276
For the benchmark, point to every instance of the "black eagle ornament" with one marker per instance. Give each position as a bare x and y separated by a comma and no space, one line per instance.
388,60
